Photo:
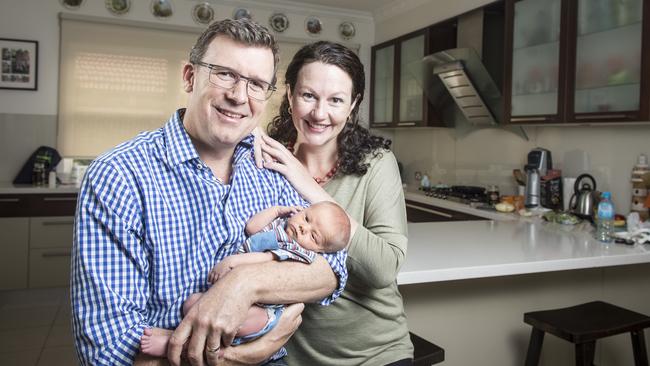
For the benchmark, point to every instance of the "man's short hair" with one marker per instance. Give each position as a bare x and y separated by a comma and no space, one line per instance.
242,30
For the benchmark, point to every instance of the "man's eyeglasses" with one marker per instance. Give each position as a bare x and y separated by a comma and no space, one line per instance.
226,78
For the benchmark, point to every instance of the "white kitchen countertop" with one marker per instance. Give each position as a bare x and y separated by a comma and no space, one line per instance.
444,251
9,188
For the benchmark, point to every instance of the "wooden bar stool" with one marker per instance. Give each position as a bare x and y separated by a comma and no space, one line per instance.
425,353
582,325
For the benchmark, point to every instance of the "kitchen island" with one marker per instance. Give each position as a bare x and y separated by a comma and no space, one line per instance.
467,284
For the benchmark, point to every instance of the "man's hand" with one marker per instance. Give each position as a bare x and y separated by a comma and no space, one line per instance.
213,321
260,350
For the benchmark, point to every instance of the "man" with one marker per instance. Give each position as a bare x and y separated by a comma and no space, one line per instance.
157,212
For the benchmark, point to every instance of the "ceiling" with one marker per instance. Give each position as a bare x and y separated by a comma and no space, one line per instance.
362,5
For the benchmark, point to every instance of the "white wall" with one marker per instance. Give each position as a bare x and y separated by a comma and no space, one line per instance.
39,20
401,17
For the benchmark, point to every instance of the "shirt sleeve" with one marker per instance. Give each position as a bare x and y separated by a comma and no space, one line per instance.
109,282
289,197
378,247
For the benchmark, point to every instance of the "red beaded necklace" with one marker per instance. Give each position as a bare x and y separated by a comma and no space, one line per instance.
328,175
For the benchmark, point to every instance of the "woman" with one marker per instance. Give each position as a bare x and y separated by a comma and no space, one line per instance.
326,155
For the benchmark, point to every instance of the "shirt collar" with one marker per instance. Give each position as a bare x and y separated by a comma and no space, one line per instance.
180,148
179,144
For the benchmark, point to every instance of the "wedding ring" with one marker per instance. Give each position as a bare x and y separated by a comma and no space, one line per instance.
212,350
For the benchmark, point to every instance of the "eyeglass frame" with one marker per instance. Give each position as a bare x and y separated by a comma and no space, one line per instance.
237,78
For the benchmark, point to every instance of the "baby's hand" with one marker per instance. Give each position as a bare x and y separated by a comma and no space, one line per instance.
288,210
221,269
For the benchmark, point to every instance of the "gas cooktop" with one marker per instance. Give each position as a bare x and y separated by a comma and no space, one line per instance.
462,194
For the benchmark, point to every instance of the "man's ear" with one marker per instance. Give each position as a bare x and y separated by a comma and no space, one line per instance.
188,77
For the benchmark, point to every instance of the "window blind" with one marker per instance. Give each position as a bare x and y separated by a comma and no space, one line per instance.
118,80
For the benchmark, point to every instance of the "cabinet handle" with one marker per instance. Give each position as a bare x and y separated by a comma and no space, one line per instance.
57,223
61,253
60,199
375,124
406,123
520,119
602,116
444,214
9,200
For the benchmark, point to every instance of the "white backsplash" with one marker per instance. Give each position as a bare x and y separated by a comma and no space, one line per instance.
488,156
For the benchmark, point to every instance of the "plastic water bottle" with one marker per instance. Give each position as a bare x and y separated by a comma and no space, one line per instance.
605,219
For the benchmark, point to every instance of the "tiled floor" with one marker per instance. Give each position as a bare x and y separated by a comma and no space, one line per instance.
35,328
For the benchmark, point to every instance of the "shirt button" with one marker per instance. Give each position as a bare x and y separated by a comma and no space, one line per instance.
199,166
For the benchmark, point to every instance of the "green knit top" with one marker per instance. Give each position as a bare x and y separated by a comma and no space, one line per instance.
367,324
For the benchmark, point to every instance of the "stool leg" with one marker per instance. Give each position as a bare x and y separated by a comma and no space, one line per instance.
585,353
534,347
638,345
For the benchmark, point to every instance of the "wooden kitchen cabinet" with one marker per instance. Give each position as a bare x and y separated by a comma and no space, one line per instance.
396,95
397,98
576,61
35,239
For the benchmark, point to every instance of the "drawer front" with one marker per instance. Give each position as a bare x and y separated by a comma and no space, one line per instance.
53,204
14,205
14,234
51,232
35,205
49,267
422,212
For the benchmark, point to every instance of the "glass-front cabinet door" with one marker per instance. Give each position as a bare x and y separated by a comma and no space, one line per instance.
608,50
411,96
535,89
383,86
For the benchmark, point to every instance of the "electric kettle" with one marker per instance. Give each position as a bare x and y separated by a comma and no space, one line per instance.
583,201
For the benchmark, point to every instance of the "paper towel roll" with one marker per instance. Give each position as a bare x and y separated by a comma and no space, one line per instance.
567,191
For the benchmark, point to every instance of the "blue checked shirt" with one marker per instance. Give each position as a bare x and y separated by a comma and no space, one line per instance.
152,220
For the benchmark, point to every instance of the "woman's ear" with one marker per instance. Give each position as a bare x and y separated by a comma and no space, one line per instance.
354,104
289,96
188,78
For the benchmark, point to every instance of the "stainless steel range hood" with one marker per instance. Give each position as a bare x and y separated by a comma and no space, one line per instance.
477,97
458,84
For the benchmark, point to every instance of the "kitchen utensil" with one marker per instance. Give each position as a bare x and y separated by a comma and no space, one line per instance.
519,177
567,192
539,162
583,200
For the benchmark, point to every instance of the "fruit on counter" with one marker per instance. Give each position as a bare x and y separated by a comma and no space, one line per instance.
619,220
563,218
504,207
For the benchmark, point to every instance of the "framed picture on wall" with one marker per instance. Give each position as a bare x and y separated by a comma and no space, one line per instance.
19,64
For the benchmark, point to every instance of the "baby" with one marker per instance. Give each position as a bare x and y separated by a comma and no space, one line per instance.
283,233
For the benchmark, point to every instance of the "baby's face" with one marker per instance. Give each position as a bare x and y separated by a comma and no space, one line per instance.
309,227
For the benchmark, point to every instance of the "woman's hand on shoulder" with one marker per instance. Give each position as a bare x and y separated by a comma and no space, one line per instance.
259,155
284,162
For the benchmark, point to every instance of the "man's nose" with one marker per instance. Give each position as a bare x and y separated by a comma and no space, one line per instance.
239,92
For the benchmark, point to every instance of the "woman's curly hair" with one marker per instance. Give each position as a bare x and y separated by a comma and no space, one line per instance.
355,143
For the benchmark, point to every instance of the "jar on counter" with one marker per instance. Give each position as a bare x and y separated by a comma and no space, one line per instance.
492,194
639,189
